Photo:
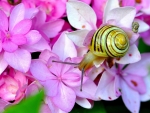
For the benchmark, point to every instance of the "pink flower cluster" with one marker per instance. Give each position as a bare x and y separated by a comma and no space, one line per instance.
61,31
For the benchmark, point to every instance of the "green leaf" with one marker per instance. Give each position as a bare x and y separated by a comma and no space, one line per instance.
98,108
29,105
143,47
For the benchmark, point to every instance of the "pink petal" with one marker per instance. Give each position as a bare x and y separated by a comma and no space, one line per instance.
110,4
45,109
88,90
39,19
124,16
88,38
3,21
18,39
132,99
16,15
33,88
46,54
1,46
136,83
139,68
33,36
146,96
51,87
106,87
81,51
71,79
83,102
31,13
78,16
132,56
3,63
3,104
65,98
9,46
52,28
61,47
95,72
59,9
41,45
19,60
143,26
39,70
22,27
78,37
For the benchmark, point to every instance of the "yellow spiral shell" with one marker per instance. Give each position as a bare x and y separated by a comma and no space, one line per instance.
109,41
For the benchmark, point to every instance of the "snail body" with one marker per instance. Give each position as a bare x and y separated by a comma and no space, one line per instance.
107,41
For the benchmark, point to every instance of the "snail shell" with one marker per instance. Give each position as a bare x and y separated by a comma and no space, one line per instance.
109,41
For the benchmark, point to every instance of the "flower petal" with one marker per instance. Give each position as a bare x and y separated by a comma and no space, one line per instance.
9,46
52,28
3,21
19,60
143,26
124,16
16,15
22,27
18,39
106,87
132,56
51,87
39,70
136,83
46,54
139,68
110,4
88,38
33,36
71,79
132,99
3,63
78,36
83,102
65,95
61,47
3,104
88,90
31,13
78,16
146,96
39,46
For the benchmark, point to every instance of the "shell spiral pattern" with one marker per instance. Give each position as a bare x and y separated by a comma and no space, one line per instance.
109,41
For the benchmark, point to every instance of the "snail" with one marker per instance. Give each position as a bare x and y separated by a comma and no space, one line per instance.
108,41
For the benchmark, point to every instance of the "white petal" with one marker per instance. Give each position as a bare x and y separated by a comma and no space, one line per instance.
64,47
110,4
124,16
143,26
78,37
81,15
83,102
130,97
132,56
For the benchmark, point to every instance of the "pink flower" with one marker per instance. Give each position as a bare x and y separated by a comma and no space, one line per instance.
62,81
12,87
113,15
132,83
54,9
14,34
